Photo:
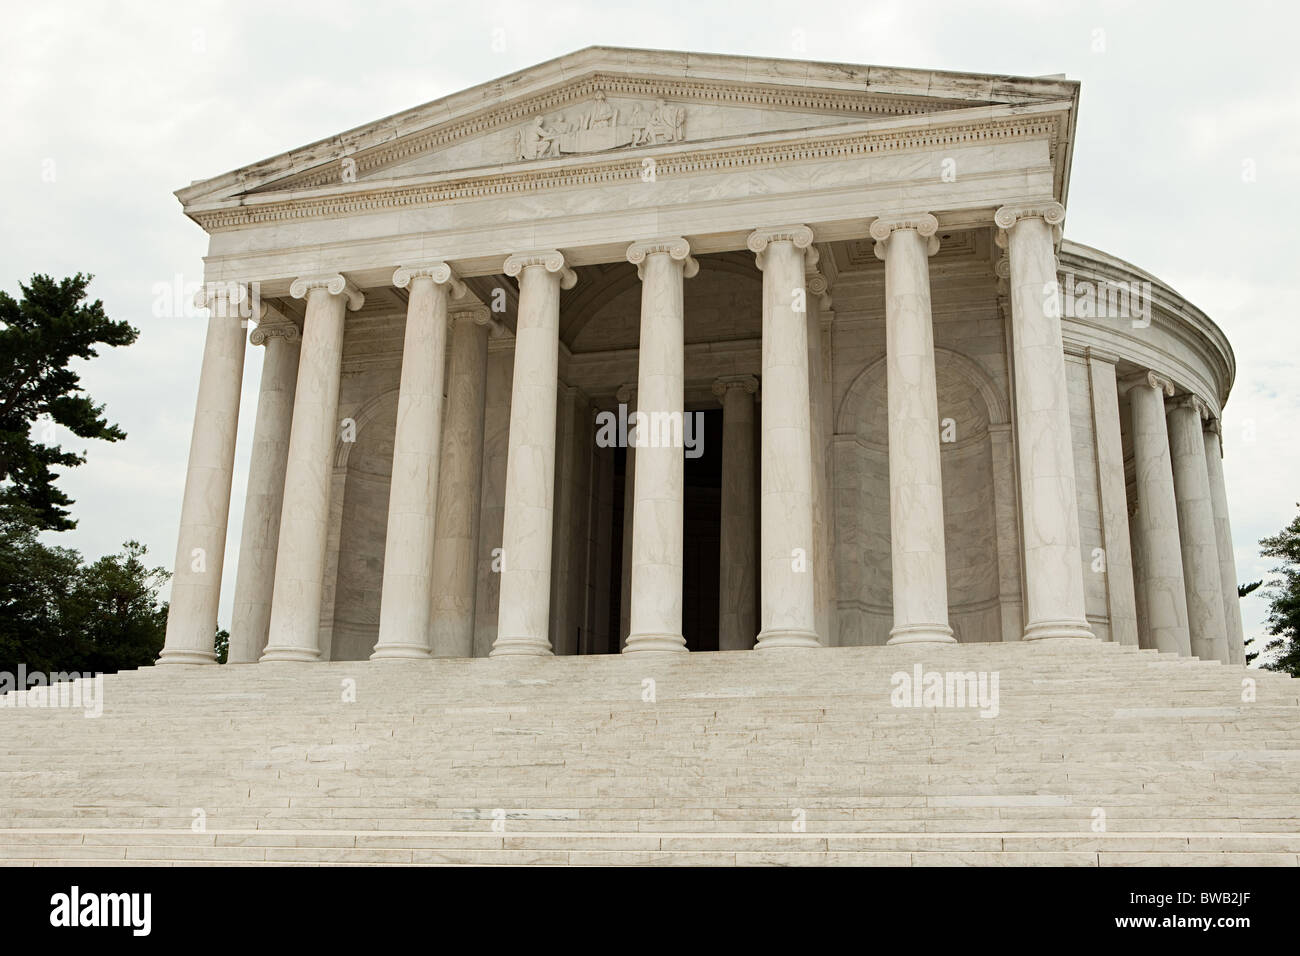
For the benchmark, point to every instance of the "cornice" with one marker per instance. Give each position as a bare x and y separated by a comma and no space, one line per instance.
677,160
1170,309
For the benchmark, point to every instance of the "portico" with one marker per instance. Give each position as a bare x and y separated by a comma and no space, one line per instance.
913,443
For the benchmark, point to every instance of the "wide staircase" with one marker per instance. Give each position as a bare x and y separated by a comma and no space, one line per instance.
1097,755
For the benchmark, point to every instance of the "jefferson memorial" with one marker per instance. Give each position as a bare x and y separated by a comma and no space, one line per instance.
638,351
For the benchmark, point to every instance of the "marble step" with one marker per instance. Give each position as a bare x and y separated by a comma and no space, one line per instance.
588,773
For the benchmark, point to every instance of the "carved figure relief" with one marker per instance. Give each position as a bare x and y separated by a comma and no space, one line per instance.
600,127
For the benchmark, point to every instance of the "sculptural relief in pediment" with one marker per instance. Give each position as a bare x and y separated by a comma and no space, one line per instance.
599,127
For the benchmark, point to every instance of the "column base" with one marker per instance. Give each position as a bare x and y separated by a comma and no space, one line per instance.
520,647
921,634
186,657
775,638
1039,630
672,643
300,654
401,652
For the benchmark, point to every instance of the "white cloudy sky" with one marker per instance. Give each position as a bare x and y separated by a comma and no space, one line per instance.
126,102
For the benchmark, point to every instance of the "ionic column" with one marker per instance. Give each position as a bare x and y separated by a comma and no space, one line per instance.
738,574
1054,599
528,523
455,549
920,574
1160,572
788,615
304,525
819,301
1112,498
627,398
255,578
205,508
658,506
1206,624
406,604
1223,541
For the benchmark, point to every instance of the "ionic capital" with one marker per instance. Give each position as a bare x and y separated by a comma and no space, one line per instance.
1188,400
334,284
478,314
272,324
1093,354
626,394
552,260
224,298
677,248
1147,379
436,269
1048,210
818,287
724,383
800,236
923,223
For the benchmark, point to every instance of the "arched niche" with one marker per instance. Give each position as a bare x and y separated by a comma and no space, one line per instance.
971,410
362,475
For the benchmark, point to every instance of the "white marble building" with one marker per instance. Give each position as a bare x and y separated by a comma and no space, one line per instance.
923,416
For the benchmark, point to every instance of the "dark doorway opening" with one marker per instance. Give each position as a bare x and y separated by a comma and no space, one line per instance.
703,534
701,537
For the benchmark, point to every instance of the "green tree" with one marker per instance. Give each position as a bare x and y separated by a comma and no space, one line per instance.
40,334
112,618
34,581
58,613
1284,599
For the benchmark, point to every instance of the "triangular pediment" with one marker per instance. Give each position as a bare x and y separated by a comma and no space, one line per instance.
605,102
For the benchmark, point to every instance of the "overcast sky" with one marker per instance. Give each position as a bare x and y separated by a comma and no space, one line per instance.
1186,164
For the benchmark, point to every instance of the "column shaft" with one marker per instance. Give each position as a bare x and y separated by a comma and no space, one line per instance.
738,574
1054,598
659,496
455,550
1206,624
920,573
406,605
1113,501
627,398
817,287
304,526
205,508
528,523
1223,541
1164,599
788,616
255,578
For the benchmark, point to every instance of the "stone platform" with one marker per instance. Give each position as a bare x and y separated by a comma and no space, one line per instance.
774,757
